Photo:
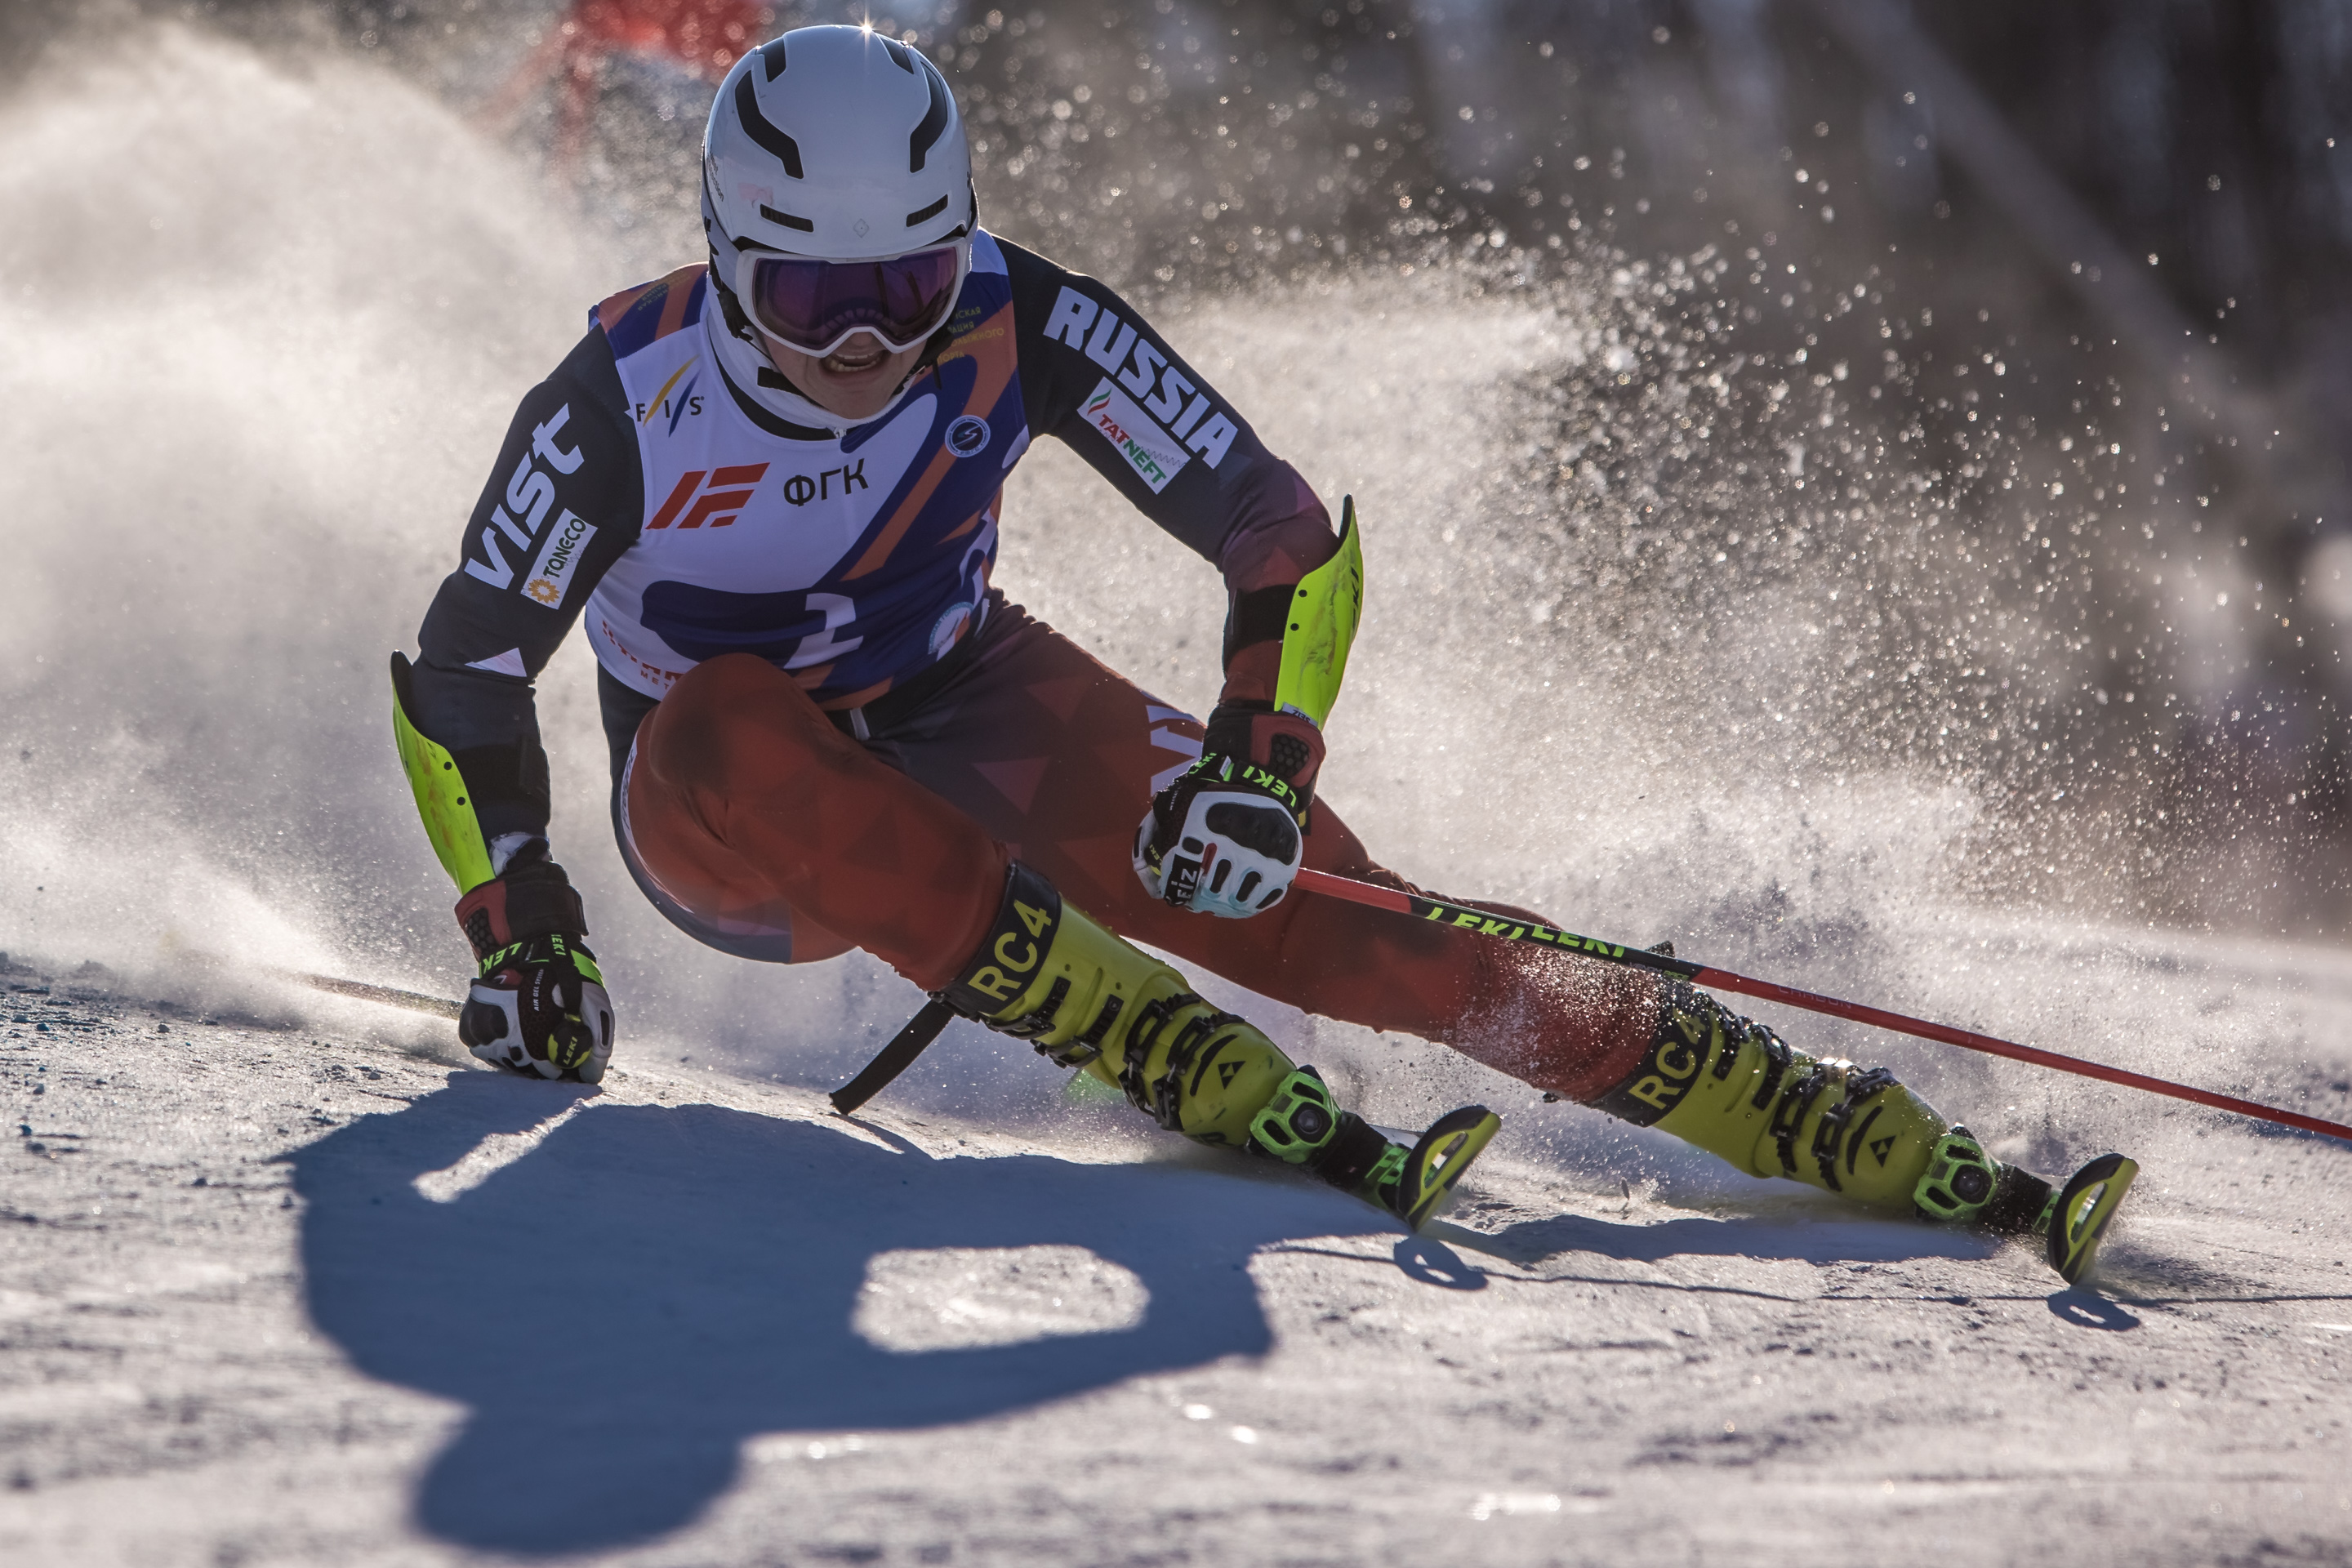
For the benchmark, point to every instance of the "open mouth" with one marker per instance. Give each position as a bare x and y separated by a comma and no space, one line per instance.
855,357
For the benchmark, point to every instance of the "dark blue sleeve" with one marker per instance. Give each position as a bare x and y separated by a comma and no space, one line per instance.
564,498
1096,374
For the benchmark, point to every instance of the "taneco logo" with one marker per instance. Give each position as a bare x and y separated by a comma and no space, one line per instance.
718,505
553,576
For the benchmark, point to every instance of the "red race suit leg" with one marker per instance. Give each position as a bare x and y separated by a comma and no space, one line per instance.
750,809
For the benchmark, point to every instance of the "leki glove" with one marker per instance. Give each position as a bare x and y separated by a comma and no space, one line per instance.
1228,835
538,1007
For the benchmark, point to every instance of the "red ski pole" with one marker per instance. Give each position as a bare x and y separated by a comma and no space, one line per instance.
1488,923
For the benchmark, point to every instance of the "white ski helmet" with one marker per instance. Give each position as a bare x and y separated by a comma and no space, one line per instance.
828,145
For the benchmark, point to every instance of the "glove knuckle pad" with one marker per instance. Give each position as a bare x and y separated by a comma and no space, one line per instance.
1257,825
540,1014
1224,837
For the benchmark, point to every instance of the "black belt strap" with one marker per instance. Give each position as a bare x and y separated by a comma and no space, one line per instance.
895,1058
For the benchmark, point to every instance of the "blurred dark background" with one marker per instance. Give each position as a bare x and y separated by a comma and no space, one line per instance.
2099,251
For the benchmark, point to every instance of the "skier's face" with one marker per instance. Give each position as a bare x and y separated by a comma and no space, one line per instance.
854,381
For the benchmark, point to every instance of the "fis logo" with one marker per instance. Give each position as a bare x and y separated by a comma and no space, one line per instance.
531,493
1146,447
675,408
1139,366
719,504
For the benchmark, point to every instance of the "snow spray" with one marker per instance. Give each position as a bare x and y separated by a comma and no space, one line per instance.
1661,627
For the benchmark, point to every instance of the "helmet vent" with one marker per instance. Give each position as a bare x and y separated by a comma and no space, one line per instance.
928,213
776,142
935,120
772,55
787,219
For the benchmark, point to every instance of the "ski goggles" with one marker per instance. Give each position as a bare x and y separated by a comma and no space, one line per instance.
815,306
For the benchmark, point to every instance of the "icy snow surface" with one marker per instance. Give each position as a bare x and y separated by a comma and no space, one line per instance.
282,1292
285,1280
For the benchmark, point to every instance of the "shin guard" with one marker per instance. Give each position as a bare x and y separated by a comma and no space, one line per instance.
1047,973
1733,1088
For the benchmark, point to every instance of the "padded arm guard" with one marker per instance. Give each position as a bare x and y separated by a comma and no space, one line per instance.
1321,627
534,898
442,797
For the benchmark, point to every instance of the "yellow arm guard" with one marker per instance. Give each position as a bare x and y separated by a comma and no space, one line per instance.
1323,610
442,798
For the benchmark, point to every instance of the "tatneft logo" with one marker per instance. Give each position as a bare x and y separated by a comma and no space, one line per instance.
531,492
1149,450
718,505
1139,366
674,408
968,435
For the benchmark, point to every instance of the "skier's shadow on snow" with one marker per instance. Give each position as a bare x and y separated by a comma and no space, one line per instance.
627,1301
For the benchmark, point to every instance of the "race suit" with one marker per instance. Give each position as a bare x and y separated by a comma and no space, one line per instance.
828,730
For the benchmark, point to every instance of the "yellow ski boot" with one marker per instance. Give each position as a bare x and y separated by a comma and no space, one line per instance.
1049,974
1735,1088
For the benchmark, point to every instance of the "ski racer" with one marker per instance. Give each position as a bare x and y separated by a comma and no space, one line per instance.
768,484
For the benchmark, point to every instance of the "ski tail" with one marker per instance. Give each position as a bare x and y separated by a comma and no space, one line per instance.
2080,1216
1441,1159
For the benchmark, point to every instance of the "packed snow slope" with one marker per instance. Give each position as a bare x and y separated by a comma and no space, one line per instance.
288,1293
284,1280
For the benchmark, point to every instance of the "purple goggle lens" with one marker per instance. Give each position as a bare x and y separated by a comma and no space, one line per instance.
813,305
